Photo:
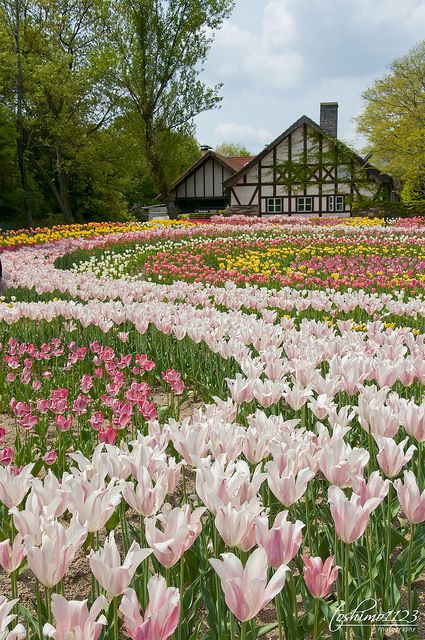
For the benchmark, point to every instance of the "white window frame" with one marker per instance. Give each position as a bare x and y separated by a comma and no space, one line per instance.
274,205
305,204
336,204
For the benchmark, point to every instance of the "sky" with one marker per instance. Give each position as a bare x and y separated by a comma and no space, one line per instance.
279,59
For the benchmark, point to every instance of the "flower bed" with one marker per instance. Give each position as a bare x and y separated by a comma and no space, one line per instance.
229,444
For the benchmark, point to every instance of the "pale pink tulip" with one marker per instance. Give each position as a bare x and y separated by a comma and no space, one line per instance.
340,464
375,487
241,389
145,498
74,620
282,542
290,485
14,487
192,443
391,456
245,588
412,417
350,516
106,565
237,525
181,527
18,633
219,483
161,616
411,500
92,501
318,576
50,561
11,557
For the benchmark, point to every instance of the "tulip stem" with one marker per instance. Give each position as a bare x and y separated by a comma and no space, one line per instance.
369,560
409,565
14,584
279,620
346,575
316,619
39,607
387,550
243,631
232,626
181,589
115,615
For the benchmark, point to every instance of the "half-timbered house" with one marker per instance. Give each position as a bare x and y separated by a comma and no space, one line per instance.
307,170
201,187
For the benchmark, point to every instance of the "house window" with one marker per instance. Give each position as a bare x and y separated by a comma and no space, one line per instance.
344,172
305,204
274,205
336,203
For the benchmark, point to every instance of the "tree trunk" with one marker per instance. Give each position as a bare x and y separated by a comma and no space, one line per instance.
64,205
64,192
168,199
19,122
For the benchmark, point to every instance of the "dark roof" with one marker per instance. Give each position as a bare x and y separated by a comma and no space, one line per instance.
234,164
380,177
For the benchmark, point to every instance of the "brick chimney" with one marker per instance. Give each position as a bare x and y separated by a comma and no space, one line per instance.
329,117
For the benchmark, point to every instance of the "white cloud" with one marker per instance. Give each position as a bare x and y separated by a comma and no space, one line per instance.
244,134
268,56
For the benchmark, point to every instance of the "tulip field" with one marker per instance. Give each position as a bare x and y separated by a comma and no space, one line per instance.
213,431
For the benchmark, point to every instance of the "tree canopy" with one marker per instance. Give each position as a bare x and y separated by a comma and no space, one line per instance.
393,121
233,149
97,100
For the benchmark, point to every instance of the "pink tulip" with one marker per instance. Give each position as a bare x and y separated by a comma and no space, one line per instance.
108,435
245,589
106,565
18,633
318,576
6,456
350,516
74,620
161,616
282,542
391,456
62,423
50,457
11,557
181,527
411,500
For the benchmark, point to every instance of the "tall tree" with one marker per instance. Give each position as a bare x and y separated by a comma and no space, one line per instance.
235,149
393,120
163,45
14,14
72,93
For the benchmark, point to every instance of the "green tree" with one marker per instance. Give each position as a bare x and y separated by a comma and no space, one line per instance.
163,45
72,94
393,120
233,149
13,84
